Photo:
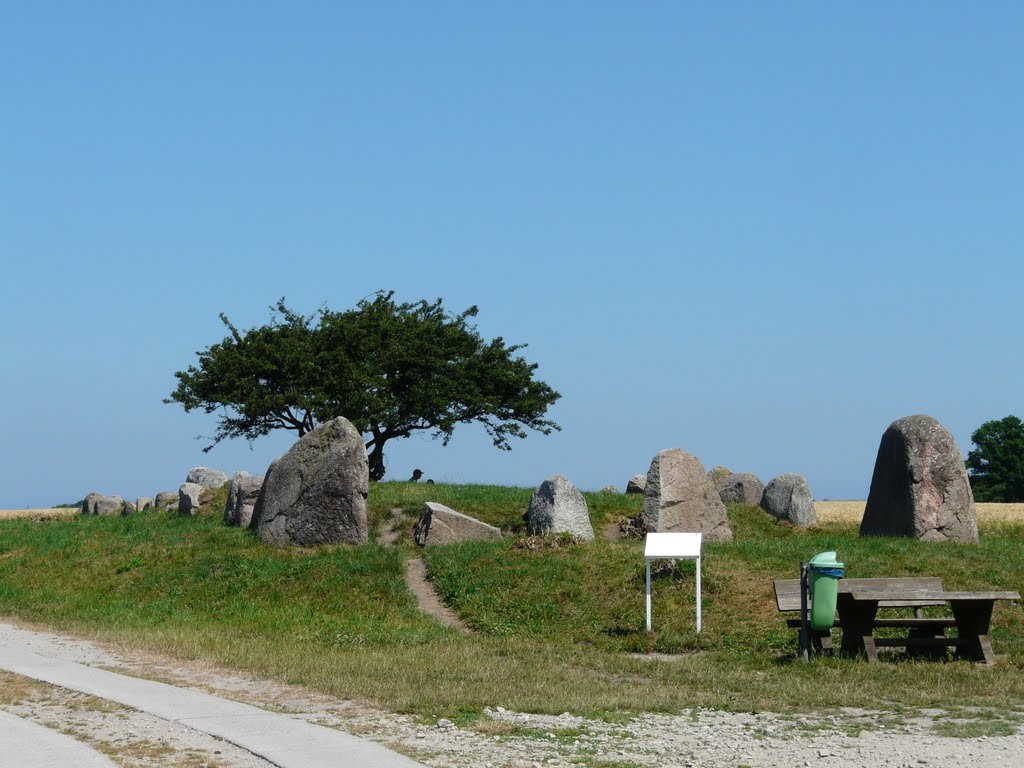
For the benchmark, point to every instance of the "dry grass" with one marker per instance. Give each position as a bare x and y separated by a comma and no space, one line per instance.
46,514
853,511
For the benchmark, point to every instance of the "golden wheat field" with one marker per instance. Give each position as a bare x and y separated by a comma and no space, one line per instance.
853,511
9,514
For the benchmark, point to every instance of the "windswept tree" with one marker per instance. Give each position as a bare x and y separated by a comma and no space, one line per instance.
391,369
997,462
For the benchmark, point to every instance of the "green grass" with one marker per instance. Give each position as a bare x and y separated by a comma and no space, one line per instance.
556,629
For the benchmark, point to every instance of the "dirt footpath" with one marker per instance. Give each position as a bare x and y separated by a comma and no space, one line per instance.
502,738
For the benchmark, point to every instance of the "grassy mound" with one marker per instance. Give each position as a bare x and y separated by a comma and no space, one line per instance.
558,627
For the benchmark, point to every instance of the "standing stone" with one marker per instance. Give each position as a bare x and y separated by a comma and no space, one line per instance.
919,487
740,488
242,495
98,504
206,477
165,499
188,498
316,492
439,524
143,503
681,497
557,506
788,497
636,484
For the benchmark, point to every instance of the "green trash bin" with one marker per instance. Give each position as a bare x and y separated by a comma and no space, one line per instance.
826,572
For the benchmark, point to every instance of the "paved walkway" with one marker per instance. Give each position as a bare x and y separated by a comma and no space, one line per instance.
29,745
284,741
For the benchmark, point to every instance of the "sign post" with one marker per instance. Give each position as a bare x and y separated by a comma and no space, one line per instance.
672,546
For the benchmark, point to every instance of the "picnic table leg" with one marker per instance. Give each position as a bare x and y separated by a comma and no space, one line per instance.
972,622
857,619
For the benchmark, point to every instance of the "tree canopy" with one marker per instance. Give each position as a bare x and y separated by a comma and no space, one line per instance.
997,463
391,369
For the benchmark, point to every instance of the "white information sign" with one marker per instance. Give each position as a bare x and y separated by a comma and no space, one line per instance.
672,546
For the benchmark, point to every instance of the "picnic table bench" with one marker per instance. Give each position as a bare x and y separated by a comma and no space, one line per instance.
859,600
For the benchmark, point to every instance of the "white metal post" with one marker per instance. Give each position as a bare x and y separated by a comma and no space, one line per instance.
648,561
698,594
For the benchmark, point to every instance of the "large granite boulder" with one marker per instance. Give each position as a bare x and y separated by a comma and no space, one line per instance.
206,477
242,495
557,506
919,487
188,498
316,492
740,488
681,497
719,473
143,503
636,484
439,524
165,499
98,504
788,497
128,508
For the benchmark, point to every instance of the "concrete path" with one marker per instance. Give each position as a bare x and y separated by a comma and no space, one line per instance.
284,741
29,745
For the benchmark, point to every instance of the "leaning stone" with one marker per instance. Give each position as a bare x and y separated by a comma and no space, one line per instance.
188,498
242,495
316,492
206,477
788,497
142,504
919,487
740,488
680,497
440,525
165,499
557,506
636,484
98,504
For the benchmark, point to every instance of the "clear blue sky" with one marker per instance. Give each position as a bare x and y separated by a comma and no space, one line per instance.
759,232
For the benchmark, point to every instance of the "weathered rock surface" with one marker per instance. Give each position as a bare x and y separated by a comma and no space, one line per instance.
680,496
316,492
557,506
206,477
143,503
719,473
242,495
98,504
165,499
609,489
439,524
919,487
636,484
188,498
128,508
788,497
741,488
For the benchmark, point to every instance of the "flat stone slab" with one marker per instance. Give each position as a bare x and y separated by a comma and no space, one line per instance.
284,741
35,746
439,524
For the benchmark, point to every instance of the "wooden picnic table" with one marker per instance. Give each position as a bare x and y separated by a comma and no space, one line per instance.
972,612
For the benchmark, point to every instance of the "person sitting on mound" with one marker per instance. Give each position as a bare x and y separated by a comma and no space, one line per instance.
416,475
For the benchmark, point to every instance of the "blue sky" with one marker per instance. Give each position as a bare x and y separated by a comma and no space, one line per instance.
758,232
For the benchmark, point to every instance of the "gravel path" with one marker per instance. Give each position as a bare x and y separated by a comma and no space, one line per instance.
502,738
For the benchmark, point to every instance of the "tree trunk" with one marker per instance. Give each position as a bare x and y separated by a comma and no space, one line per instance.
376,461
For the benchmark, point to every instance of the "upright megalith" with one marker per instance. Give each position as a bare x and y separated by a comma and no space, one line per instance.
242,495
788,497
557,506
741,488
189,498
316,492
919,487
680,496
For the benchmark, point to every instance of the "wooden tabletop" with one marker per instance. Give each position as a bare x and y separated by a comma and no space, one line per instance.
928,594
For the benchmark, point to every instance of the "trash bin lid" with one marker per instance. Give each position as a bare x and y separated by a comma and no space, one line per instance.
826,563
